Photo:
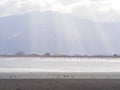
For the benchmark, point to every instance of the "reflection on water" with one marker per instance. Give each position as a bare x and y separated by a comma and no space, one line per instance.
59,65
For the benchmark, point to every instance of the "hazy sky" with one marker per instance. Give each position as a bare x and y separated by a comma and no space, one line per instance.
99,10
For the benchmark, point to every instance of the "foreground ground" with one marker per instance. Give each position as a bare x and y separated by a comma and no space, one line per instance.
60,84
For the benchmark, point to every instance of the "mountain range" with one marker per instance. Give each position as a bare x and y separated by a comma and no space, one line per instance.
58,33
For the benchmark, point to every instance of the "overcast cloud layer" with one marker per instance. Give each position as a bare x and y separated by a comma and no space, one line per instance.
96,10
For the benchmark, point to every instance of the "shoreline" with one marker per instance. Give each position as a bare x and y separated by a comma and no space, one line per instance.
60,75
56,56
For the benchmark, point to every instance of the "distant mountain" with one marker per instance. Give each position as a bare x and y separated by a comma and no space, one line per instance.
42,32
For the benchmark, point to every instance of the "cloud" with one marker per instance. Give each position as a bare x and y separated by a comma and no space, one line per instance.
97,12
91,9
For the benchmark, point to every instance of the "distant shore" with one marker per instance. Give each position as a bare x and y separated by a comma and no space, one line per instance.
56,56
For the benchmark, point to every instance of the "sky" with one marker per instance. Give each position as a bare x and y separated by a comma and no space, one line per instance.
96,10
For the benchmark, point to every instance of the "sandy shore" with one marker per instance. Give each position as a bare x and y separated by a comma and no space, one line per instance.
59,84
59,75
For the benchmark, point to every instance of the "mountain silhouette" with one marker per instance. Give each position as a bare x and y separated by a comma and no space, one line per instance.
57,33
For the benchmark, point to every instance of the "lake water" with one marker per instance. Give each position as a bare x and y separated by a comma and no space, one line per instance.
59,65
